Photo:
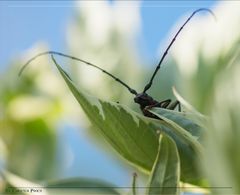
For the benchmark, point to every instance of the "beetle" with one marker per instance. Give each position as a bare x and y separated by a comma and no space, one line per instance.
144,100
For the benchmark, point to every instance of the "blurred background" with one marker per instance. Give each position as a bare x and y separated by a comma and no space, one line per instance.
44,135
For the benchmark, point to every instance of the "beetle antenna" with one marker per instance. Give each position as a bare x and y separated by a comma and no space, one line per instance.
171,43
80,60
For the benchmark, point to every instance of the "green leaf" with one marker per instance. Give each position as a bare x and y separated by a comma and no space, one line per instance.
130,133
195,115
81,186
190,150
179,131
165,175
183,119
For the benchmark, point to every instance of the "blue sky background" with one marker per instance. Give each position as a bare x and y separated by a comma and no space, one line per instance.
23,23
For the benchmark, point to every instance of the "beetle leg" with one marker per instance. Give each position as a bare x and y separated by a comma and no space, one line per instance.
162,104
174,105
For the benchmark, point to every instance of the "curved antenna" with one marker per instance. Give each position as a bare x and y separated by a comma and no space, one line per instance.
171,43
80,60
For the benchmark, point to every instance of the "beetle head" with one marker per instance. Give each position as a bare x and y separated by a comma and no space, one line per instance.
143,99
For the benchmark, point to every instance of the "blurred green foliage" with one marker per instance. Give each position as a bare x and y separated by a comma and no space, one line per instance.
26,129
213,88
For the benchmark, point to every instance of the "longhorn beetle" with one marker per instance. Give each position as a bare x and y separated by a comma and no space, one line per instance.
143,99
